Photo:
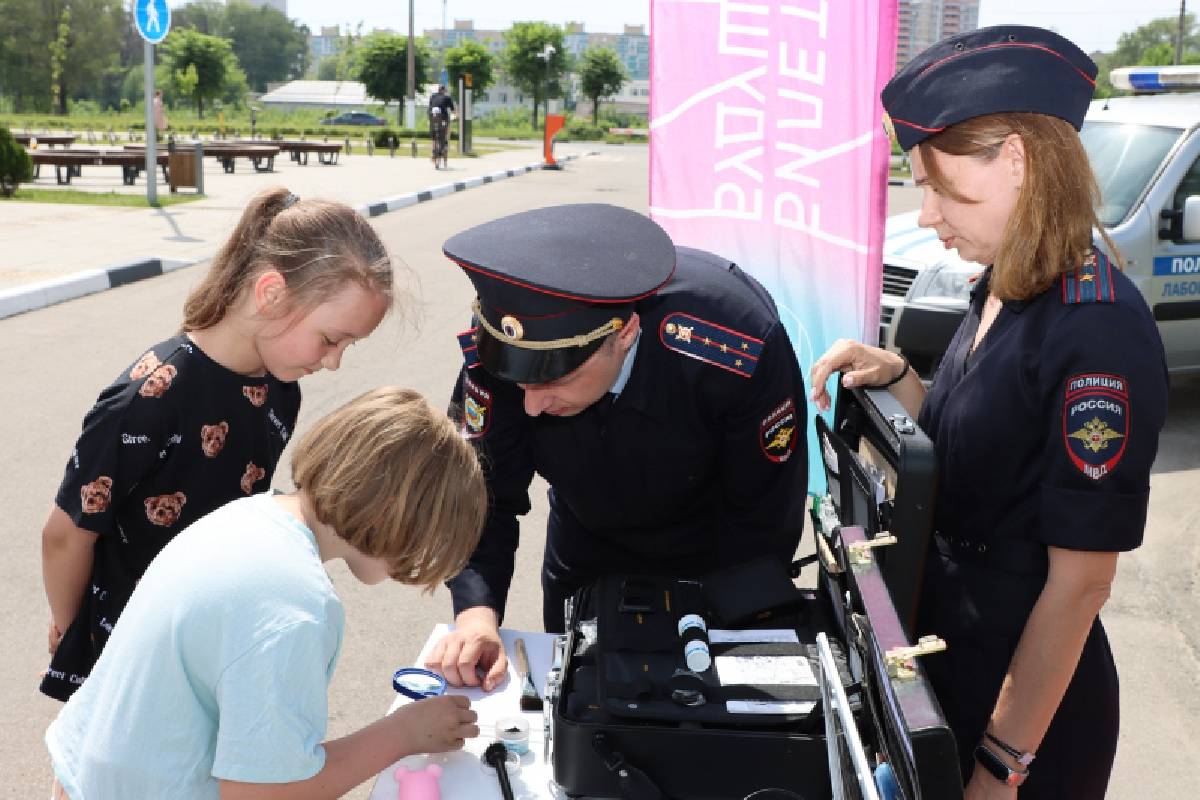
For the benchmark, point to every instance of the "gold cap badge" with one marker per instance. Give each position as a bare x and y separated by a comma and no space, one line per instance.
512,329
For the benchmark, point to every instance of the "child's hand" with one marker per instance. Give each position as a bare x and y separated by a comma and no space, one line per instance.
436,724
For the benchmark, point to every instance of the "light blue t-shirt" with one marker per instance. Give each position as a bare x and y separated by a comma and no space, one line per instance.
219,667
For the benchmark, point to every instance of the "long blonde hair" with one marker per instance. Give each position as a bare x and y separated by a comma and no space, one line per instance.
1050,229
319,247
394,478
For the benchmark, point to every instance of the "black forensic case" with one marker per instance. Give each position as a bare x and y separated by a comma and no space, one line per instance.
864,603
704,753
871,425
902,721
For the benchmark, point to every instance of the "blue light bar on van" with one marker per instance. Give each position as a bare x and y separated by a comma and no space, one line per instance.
1156,79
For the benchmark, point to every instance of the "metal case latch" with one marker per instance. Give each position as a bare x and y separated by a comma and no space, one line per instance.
899,659
859,552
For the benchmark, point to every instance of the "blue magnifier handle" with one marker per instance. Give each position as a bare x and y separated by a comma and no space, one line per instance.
418,683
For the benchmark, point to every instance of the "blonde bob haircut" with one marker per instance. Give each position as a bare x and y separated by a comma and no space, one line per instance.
394,478
1050,230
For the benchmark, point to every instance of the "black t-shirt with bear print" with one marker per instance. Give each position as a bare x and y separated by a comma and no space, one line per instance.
174,437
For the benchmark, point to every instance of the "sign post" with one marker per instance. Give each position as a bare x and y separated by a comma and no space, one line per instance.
153,20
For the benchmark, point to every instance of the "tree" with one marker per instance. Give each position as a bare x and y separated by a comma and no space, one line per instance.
471,58
523,66
383,66
205,16
211,56
327,69
269,46
601,75
15,165
1131,47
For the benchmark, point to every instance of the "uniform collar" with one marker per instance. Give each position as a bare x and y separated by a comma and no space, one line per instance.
626,367
980,292
644,390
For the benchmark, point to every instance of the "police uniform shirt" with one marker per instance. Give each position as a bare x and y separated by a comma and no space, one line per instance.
1045,435
699,463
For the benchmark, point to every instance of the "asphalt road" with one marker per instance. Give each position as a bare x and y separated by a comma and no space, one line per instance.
56,360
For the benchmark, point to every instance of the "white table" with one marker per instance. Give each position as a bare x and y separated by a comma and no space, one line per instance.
462,778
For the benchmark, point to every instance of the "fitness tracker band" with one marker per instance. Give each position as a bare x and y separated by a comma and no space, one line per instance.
999,770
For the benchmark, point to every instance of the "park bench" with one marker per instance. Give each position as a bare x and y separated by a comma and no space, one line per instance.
48,139
298,150
70,163
261,156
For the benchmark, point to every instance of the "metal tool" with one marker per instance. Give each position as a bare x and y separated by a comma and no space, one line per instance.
530,699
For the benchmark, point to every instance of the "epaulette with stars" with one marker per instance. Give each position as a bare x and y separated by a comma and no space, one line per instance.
468,341
1091,282
709,342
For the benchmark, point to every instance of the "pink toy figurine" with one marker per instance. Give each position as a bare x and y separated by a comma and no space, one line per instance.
421,784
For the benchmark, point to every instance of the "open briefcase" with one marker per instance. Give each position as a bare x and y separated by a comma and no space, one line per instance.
806,690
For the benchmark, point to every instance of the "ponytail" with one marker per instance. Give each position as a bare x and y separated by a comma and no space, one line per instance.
318,246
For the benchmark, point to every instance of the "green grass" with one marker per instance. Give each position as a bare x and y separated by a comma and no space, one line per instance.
71,196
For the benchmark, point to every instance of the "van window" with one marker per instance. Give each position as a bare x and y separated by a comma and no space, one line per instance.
1188,187
1124,158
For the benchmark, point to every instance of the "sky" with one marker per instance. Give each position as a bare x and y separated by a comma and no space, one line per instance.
1091,24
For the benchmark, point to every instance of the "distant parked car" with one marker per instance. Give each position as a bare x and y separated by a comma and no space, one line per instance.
354,118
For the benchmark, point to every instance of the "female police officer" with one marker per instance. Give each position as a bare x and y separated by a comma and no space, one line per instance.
1045,412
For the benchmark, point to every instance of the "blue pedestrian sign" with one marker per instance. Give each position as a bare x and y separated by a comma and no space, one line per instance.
153,19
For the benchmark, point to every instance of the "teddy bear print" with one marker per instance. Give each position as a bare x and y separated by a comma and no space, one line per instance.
212,438
253,474
145,365
159,381
255,394
96,495
164,509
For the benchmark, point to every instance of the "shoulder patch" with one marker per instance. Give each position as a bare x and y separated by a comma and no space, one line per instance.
710,342
467,340
477,409
777,432
1096,422
1091,283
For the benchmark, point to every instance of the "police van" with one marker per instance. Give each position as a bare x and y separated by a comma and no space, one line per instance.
1145,151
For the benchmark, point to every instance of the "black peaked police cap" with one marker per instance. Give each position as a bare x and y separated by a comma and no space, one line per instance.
553,283
993,70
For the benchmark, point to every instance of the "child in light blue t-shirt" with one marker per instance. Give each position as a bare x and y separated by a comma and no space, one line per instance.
214,684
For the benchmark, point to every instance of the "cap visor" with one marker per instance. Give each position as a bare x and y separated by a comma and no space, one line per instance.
521,365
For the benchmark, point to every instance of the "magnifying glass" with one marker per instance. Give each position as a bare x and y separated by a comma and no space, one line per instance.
418,683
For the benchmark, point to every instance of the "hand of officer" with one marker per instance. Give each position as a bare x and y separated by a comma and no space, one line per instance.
474,642
862,365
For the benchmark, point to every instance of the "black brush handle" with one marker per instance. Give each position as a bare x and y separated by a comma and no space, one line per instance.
495,756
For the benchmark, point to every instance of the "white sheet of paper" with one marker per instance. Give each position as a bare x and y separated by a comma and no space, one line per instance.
718,636
462,779
765,671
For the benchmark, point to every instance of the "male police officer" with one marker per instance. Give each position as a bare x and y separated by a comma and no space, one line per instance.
655,390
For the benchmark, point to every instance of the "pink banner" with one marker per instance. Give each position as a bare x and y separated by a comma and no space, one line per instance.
766,147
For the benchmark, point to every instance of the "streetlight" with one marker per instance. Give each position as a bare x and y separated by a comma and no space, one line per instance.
547,54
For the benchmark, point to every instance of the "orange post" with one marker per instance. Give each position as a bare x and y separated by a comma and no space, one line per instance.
554,124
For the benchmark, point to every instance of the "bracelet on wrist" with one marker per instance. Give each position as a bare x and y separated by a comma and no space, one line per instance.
1022,757
996,767
899,377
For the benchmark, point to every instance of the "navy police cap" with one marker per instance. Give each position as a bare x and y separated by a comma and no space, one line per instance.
553,283
1005,68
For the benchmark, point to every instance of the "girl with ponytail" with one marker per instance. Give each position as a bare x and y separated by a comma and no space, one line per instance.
202,418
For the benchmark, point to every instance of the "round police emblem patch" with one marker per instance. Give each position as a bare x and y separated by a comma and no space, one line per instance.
1096,422
477,409
777,433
